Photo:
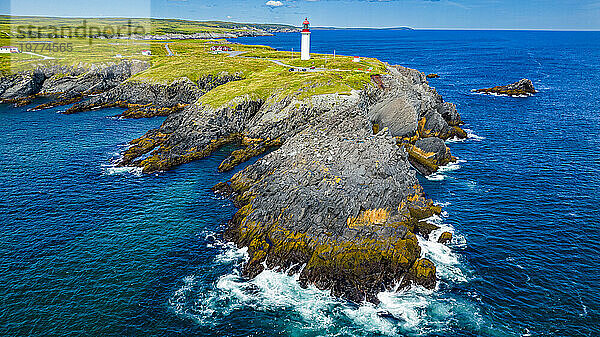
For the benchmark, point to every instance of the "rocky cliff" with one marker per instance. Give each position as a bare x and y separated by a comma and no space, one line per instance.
66,84
107,85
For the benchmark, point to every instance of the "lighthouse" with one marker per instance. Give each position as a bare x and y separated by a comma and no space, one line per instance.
305,54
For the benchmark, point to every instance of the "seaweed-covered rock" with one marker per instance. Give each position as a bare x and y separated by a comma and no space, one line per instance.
250,151
445,237
424,272
523,87
428,154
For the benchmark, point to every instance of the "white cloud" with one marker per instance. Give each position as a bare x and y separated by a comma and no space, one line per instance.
273,4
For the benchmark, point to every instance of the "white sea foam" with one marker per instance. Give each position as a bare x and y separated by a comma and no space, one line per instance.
473,92
232,254
413,310
472,136
439,175
113,170
447,261
178,300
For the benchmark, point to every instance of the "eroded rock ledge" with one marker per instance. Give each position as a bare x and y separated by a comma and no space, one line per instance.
337,204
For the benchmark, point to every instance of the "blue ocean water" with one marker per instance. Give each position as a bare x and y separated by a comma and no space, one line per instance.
87,249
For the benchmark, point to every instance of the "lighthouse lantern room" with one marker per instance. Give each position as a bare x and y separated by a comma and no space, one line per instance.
305,54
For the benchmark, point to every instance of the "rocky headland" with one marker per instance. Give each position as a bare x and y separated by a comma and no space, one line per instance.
521,88
336,197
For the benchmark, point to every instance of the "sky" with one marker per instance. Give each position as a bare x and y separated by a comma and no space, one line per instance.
420,14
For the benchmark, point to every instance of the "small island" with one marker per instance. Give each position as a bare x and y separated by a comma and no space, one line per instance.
522,88
335,199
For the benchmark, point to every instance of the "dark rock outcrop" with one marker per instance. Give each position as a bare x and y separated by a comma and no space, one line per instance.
255,148
334,203
144,99
445,237
412,109
104,86
149,99
428,154
523,87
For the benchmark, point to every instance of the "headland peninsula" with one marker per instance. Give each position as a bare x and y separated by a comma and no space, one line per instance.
334,195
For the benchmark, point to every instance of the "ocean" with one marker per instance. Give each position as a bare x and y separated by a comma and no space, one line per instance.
89,249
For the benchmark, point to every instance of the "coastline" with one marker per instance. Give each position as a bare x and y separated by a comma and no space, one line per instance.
360,196
154,241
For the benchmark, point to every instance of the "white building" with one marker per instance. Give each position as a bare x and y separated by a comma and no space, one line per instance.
146,52
356,59
9,49
221,49
305,51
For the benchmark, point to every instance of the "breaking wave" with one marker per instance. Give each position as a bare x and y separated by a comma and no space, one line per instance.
400,312
113,170
470,136
440,174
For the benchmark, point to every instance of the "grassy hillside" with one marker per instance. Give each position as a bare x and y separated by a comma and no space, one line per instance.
264,78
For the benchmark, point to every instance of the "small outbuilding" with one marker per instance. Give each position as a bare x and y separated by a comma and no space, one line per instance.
221,49
146,52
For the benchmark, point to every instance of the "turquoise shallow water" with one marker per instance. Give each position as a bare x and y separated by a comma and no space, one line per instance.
89,250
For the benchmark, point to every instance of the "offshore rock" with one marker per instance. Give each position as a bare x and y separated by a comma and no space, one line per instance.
445,237
523,87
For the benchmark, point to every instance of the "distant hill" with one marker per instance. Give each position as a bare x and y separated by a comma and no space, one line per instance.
361,28
51,27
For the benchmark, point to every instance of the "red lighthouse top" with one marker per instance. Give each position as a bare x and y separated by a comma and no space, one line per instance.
305,26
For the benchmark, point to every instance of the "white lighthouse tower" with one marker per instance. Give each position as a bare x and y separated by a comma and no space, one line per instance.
305,54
